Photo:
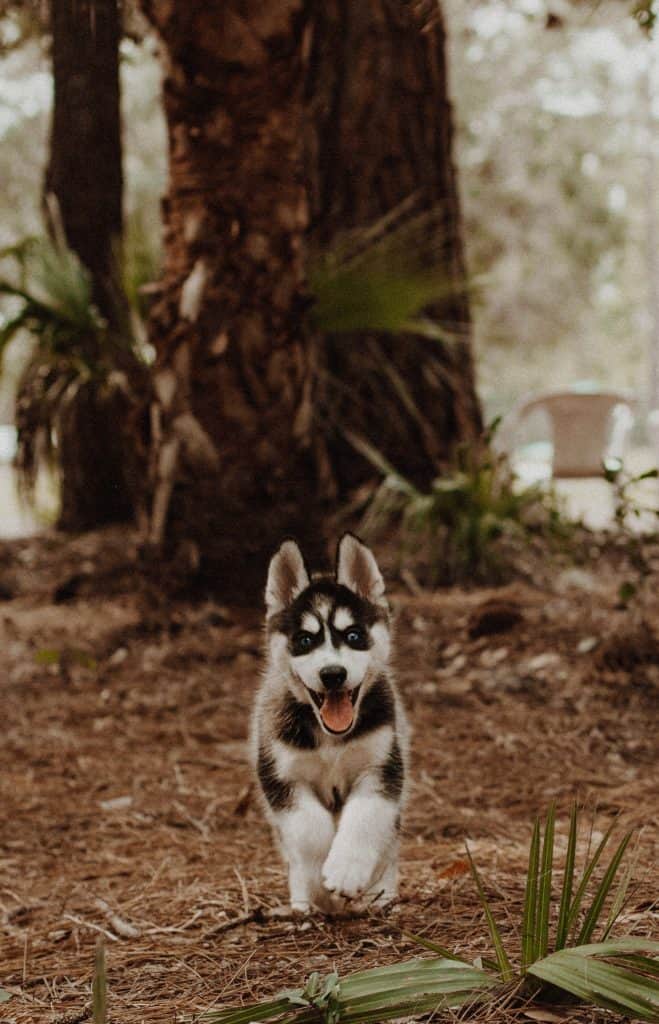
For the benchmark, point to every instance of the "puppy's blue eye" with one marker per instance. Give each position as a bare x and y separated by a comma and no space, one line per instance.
302,642
355,636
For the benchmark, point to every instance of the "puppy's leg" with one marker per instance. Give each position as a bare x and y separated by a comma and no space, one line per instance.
365,842
306,830
383,890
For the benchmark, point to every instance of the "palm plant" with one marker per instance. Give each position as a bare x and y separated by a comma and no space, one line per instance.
384,277
392,356
555,963
77,383
611,973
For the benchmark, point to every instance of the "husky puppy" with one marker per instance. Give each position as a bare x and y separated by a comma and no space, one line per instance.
329,735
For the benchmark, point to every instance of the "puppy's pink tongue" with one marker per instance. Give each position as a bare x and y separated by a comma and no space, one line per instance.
336,711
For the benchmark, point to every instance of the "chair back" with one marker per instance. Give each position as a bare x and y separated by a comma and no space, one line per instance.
587,428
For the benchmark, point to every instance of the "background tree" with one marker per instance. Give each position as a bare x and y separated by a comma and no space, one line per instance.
84,191
278,140
552,157
84,170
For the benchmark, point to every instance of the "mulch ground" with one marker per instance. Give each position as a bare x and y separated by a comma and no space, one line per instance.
125,802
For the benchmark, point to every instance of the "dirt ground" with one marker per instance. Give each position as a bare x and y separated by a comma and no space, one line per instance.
125,807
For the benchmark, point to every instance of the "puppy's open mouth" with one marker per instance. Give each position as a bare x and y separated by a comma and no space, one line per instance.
337,708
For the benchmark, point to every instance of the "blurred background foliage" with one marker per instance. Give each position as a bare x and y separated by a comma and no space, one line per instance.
553,129
553,136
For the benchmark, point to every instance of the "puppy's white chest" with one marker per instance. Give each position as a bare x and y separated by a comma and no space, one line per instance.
332,769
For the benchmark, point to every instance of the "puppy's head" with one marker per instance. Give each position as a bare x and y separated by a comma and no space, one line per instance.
328,636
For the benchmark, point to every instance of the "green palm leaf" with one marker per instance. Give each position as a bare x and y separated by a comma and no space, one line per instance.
568,881
575,906
544,894
593,915
432,947
501,955
385,277
381,993
585,972
529,943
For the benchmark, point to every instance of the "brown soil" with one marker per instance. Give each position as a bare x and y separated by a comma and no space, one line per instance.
125,804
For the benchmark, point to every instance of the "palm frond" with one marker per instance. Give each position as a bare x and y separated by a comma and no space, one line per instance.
575,905
75,357
544,895
606,975
529,914
395,479
618,901
385,277
381,993
594,912
620,975
568,881
503,962
433,947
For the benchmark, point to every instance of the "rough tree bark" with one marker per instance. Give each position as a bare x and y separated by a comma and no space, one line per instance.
85,176
289,121
232,421
380,134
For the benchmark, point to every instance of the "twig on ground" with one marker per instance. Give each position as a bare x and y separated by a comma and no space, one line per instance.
121,927
169,929
256,916
94,927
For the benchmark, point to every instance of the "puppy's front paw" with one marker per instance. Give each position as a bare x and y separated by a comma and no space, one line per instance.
300,907
348,876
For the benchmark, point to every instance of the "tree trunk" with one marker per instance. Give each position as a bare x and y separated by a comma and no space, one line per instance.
288,122
232,460
84,175
380,135
84,172
98,472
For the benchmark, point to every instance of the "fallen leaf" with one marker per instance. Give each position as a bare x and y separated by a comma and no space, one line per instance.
455,869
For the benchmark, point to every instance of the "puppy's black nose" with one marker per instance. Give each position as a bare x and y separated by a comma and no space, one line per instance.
333,676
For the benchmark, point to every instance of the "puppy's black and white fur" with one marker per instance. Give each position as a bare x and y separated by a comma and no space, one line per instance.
329,735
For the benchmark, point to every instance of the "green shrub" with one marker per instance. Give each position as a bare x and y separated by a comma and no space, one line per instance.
474,520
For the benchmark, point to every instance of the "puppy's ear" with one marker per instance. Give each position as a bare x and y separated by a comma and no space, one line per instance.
357,569
287,577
